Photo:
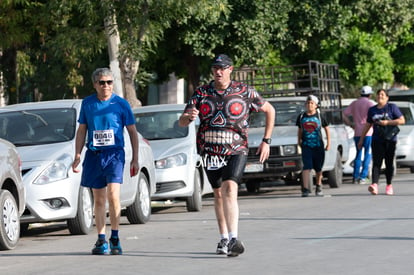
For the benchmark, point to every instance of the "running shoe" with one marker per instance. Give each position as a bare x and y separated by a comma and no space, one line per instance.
235,248
101,247
222,247
318,190
305,192
389,190
115,246
373,188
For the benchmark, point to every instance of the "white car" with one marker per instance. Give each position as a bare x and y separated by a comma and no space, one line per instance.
12,195
179,169
405,141
44,134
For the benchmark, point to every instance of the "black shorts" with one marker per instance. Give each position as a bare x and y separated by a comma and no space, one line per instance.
232,170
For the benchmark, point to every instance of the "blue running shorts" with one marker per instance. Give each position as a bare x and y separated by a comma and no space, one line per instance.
103,167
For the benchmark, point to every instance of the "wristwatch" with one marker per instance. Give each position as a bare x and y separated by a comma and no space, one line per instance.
267,140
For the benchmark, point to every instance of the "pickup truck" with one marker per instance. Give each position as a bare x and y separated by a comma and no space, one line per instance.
286,88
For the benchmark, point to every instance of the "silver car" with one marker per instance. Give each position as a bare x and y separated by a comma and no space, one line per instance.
44,134
12,195
179,169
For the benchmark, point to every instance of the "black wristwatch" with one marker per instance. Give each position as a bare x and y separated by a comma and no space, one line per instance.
267,140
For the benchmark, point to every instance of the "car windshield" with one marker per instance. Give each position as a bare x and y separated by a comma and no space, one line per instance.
160,125
41,126
286,114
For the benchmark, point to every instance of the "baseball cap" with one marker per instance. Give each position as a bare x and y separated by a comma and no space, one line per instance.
313,98
222,60
366,90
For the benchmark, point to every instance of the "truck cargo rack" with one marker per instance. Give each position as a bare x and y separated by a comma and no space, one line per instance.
319,79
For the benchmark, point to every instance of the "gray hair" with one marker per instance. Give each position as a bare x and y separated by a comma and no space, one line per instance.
101,72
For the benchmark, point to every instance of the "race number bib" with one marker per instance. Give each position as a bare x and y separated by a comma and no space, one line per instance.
103,137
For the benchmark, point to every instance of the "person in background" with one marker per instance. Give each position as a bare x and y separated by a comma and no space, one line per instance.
223,107
380,116
358,109
310,124
103,117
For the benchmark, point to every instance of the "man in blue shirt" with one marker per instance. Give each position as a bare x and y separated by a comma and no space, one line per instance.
103,117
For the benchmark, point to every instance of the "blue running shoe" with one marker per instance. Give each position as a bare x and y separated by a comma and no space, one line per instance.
101,247
115,245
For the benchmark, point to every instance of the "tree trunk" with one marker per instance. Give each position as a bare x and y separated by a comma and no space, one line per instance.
129,69
192,63
123,68
112,36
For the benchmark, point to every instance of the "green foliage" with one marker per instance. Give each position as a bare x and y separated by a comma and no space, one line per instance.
58,43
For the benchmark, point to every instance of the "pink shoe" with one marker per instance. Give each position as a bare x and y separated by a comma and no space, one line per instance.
373,188
389,190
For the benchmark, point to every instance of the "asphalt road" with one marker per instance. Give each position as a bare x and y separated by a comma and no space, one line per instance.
348,231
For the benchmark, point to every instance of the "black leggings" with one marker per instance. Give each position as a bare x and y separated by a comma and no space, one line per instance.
383,150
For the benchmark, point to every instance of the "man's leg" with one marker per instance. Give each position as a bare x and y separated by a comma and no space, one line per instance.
113,193
101,246
218,208
230,206
99,198
367,157
231,213
357,161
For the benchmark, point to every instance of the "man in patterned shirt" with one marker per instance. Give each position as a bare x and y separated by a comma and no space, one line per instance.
223,107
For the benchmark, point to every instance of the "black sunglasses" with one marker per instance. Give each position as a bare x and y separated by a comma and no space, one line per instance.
102,82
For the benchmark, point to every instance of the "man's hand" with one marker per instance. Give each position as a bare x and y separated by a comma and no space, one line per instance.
75,164
264,151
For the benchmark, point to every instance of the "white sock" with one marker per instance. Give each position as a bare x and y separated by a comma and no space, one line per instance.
233,235
224,236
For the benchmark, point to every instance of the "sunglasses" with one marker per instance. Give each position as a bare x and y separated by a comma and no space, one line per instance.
102,82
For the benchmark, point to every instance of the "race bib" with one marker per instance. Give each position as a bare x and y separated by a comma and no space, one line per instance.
103,137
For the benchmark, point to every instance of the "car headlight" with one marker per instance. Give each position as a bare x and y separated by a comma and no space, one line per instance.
289,150
172,161
57,170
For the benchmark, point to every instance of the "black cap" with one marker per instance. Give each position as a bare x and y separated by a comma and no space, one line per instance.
222,60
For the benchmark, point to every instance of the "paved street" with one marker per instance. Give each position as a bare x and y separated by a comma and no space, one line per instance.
348,231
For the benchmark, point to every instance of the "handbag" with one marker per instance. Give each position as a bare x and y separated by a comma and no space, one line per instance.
388,132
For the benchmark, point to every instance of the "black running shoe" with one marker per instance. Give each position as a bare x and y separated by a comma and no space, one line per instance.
318,190
235,248
222,247
101,247
115,245
305,192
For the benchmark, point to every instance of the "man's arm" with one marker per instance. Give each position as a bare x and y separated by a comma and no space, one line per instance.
79,144
133,137
264,148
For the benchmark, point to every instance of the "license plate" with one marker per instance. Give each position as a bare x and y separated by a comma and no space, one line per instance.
253,167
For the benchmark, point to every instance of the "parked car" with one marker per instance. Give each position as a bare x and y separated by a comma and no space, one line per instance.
12,195
401,95
405,144
179,170
44,134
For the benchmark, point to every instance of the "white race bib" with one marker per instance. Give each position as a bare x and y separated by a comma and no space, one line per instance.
103,137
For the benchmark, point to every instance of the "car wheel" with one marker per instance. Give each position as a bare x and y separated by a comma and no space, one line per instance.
195,202
83,222
335,175
252,186
140,211
10,221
